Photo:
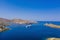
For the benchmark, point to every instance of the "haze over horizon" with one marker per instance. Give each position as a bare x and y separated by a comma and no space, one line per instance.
43,10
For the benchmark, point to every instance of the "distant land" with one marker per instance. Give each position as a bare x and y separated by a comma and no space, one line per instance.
5,22
52,25
18,21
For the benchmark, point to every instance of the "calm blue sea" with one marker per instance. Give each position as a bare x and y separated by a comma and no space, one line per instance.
35,32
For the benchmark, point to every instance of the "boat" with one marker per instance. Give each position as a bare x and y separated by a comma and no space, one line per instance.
27,26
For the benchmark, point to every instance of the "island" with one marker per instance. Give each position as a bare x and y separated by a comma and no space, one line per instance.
53,38
52,25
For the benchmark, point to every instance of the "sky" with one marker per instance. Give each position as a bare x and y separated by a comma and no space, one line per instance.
40,10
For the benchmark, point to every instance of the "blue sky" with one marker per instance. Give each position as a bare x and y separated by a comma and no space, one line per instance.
43,10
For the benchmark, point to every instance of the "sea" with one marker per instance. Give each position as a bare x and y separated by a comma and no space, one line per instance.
35,32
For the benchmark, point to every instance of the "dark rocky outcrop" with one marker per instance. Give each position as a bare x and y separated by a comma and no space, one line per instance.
3,24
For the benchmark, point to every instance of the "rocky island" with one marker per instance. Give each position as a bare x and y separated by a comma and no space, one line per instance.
52,25
53,38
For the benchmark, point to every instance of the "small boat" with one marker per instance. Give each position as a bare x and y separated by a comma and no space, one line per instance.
28,25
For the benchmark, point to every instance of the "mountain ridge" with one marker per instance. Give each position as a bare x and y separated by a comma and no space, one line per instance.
18,21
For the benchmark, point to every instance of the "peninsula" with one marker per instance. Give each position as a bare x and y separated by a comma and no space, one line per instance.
52,25
6,22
